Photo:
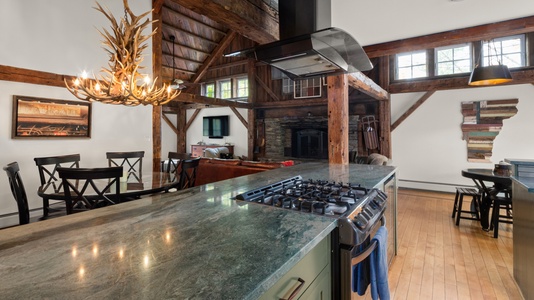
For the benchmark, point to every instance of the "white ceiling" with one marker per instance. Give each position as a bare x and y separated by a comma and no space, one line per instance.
377,21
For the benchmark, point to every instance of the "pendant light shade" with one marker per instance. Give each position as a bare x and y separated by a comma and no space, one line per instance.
490,75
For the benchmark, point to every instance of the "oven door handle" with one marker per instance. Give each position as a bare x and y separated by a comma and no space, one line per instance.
367,251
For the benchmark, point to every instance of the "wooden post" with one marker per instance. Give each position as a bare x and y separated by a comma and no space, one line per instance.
181,124
338,119
156,72
384,109
251,130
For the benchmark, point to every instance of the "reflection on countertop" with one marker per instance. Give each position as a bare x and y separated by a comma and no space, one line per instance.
192,244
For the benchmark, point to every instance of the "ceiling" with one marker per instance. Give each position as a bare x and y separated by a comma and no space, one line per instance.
372,22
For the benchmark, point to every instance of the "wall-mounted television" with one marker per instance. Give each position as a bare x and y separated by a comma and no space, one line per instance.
215,127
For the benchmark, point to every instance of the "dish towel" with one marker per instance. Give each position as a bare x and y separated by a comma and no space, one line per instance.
379,266
361,272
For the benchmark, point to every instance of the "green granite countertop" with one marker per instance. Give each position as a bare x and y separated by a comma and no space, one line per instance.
193,244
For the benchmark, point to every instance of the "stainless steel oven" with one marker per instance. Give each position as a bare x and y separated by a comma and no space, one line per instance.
359,212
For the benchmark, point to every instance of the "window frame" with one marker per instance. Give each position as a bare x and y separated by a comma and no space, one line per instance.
499,54
452,47
411,66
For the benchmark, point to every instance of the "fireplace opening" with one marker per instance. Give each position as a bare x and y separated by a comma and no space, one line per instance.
310,143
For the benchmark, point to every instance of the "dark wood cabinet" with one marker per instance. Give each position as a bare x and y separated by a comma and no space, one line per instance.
198,150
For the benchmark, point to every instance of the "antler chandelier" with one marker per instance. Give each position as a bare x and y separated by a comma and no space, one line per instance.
122,83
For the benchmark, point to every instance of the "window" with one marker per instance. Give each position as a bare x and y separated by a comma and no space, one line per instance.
307,88
411,65
287,85
208,90
225,88
242,87
453,59
509,51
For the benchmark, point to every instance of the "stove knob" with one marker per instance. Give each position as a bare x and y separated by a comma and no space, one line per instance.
361,222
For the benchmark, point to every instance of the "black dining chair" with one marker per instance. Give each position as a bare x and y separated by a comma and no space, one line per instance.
47,167
174,163
83,186
19,193
131,161
188,174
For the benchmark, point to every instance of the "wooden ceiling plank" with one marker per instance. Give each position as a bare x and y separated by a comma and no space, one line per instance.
416,105
236,63
202,38
465,35
243,17
189,18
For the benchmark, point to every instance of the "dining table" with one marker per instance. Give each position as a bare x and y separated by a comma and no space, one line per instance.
131,185
490,184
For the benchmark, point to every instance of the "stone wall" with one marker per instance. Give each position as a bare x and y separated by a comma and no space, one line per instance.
278,133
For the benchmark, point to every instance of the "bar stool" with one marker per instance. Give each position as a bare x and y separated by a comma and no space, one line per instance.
458,202
501,201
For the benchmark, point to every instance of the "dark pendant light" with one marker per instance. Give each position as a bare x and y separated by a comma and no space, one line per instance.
492,74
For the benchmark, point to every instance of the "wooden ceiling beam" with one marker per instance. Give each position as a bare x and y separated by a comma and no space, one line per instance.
519,77
193,98
214,56
359,81
243,17
465,35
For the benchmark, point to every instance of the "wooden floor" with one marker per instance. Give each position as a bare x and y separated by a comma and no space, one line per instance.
438,260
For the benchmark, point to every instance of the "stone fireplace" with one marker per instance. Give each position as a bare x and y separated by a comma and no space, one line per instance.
302,137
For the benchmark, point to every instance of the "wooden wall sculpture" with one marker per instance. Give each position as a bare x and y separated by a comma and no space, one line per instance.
482,122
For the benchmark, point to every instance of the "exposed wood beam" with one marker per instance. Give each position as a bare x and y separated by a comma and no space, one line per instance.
384,109
241,16
359,81
156,110
157,5
169,122
338,119
192,98
465,35
524,76
213,57
412,108
193,117
15,74
251,128
266,88
292,103
239,116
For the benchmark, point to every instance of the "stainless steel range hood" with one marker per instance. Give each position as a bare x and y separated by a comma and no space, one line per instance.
304,51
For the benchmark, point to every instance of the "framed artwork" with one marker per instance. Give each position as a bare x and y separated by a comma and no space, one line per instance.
50,118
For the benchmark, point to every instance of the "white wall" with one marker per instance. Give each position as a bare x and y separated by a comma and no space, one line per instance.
38,35
428,146
238,132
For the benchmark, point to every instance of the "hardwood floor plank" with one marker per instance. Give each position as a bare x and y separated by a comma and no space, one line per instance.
439,260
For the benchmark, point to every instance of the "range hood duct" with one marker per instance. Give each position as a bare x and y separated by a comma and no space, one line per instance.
308,46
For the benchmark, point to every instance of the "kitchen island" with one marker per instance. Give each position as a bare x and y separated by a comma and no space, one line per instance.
197,243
